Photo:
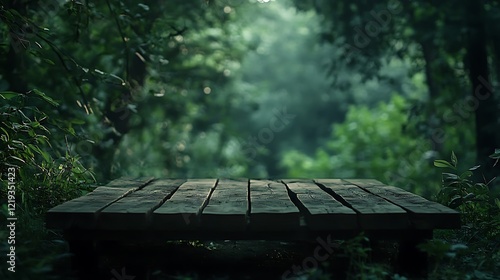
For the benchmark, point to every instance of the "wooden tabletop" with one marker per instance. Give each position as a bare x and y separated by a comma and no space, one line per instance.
220,205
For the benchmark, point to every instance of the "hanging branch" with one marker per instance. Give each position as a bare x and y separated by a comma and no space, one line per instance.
124,40
58,53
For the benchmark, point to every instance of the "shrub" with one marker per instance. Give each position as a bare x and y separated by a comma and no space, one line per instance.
46,174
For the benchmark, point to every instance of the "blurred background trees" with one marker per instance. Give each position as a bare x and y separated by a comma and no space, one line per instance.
236,88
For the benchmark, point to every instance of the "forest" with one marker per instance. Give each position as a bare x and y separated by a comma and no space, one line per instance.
400,91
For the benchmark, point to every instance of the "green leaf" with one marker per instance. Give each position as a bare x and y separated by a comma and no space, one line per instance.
469,196
474,168
45,97
34,124
19,159
77,121
450,176
451,254
455,202
8,94
48,61
495,155
144,6
443,164
458,246
466,174
454,158
72,131
6,134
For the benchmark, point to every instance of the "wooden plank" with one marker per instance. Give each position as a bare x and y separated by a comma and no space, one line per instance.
324,212
374,213
270,207
182,210
227,207
128,182
134,211
364,182
82,212
424,214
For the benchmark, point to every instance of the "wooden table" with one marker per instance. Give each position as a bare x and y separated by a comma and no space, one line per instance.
220,209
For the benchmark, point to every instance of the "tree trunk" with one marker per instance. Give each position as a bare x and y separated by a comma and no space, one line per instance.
19,41
482,93
429,53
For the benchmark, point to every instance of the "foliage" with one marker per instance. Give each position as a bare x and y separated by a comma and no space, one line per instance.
475,200
47,174
451,52
291,74
472,252
370,143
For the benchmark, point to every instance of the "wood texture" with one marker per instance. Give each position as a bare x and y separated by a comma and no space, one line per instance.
134,211
227,207
424,214
323,211
270,207
364,182
263,208
82,212
128,182
182,210
373,212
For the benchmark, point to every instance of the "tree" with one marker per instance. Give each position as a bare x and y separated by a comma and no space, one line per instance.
447,39
111,63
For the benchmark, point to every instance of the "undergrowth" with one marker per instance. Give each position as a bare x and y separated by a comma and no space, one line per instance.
37,173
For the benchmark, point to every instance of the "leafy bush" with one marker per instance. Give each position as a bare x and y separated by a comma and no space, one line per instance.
473,251
370,143
479,207
46,174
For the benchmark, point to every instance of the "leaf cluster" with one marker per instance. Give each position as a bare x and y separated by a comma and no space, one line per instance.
460,191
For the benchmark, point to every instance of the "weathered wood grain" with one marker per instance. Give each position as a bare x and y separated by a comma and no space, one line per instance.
364,182
231,206
424,214
270,207
373,212
82,212
324,212
134,211
182,210
128,182
227,207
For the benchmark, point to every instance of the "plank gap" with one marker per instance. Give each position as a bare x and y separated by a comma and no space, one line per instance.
272,209
227,207
206,201
375,194
302,208
336,196
293,197
373,212
423,213
124,195
149,213
249,204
